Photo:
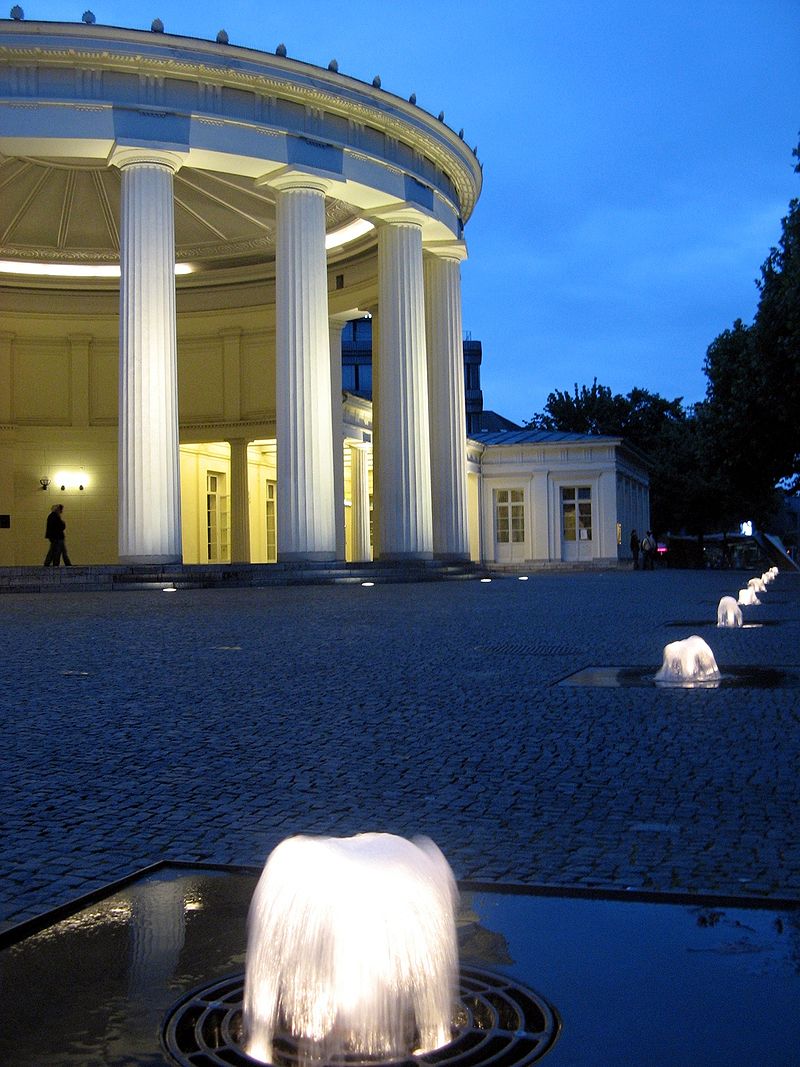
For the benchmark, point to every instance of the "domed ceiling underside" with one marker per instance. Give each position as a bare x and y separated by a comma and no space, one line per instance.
69,212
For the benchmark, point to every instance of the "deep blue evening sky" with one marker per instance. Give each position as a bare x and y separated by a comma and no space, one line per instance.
637,161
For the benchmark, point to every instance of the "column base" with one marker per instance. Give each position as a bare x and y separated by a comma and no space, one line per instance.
148,561
452,557
307,557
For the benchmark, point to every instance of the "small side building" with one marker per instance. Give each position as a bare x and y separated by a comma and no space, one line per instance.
541,497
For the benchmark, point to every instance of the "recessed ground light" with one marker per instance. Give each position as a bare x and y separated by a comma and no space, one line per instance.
367,585
522,578
169,589
486,579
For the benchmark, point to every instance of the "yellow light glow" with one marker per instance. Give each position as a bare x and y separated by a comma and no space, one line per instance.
351,232
70,480
73,270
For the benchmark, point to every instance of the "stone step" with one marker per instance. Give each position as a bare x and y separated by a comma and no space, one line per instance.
223,576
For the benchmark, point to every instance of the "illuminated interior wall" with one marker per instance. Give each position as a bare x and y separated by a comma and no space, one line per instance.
59,372
262,466
197,461
348,496
88,459
474,516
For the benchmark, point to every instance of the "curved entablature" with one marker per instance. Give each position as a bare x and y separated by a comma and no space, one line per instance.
70,96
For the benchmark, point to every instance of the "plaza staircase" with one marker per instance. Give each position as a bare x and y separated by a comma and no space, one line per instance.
118,578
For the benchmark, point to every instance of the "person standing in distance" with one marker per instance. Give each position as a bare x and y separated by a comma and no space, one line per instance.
635,549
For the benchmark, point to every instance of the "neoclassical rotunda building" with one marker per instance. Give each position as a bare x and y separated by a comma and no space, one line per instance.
185,228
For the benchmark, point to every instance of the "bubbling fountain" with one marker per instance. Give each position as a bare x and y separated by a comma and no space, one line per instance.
351,949
747,597
687,663
757,585
728,612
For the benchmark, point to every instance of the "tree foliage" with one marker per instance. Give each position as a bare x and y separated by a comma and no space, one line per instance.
750,415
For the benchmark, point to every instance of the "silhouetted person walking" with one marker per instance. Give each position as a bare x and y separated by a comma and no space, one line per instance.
54,532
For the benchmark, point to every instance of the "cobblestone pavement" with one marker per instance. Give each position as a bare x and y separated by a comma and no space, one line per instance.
209,725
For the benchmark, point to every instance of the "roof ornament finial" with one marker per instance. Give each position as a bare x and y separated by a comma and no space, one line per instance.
334,66
441,116
157,26
16,13
88,18
413,98
461,134
376,81
222,37
281,50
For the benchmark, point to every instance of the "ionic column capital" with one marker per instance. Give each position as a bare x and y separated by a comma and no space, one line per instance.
338,322
127,156
397,215
291,179
455,250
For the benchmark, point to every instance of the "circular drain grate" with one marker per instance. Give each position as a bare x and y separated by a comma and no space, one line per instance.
495,1022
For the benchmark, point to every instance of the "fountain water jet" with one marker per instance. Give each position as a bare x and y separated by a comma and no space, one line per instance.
747,597
688,662
351,949
757,585
728,612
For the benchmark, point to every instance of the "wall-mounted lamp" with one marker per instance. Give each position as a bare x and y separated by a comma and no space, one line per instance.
44,482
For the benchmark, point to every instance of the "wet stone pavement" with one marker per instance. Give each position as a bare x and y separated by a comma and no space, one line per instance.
210,724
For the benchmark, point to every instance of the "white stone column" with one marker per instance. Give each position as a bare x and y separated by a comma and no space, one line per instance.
400,386
240,501
149,463
359,498
335,335
306,524
446,402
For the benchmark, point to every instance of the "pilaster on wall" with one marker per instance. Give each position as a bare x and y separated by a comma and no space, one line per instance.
231,374
6,349
79,348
